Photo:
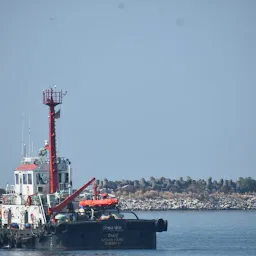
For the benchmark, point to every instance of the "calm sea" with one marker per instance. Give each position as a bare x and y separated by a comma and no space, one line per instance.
190,233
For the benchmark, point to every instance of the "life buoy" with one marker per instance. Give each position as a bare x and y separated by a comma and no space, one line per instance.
28,201
32,217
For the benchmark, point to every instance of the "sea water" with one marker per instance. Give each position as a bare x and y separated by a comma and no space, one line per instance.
189,233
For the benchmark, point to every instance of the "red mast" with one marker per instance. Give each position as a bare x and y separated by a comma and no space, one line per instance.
52,98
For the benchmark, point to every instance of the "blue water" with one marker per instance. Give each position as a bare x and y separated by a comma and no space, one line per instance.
189,233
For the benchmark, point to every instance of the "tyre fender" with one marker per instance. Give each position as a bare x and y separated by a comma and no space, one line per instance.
160,225
63,227
165,225
52,229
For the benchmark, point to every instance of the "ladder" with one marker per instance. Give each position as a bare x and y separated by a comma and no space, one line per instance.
42,208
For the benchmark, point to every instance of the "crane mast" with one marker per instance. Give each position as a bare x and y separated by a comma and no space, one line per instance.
52,98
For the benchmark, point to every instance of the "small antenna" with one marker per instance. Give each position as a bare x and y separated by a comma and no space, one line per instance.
25,150
29,137
32,148
58,141
22,137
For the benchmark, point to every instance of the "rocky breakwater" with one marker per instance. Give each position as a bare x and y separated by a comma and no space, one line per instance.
190,202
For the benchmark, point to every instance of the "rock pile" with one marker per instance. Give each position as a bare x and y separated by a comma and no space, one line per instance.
212,202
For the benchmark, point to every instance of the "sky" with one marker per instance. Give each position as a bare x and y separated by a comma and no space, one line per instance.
155,88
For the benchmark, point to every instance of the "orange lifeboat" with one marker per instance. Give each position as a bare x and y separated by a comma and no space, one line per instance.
99,202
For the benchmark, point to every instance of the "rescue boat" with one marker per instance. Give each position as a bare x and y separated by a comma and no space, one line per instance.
99,202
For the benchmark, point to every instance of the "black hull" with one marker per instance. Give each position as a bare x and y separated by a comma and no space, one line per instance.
86,235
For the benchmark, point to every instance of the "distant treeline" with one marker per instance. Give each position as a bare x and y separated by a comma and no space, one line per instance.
242,185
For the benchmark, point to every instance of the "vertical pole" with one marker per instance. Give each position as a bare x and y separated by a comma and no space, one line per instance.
95,190
52,150
22,139
69,180
29,137
51,99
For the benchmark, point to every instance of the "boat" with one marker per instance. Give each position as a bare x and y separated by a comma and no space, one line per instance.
99,202
42,211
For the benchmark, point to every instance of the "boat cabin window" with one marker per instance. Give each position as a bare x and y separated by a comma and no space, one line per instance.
16,178
40,178
25,179
40,189
66,177
59,177
29,178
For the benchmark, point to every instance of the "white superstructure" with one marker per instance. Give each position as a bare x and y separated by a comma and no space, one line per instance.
26,201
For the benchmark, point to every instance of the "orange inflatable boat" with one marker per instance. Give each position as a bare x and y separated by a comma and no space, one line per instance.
99,202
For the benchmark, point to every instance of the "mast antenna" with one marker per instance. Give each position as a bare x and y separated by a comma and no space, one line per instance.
29,136
22,138
52,98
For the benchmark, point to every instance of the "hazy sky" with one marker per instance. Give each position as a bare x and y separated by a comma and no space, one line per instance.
155,87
